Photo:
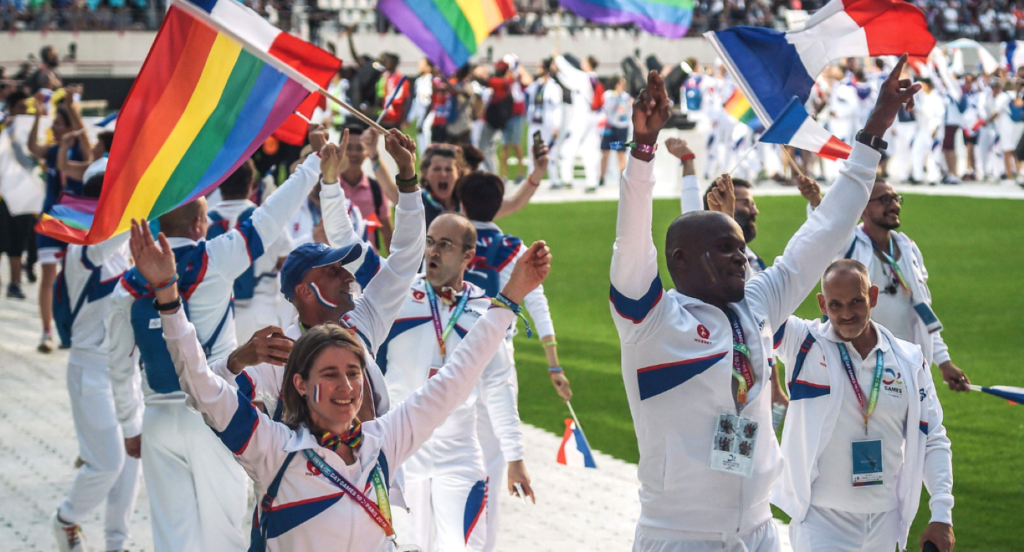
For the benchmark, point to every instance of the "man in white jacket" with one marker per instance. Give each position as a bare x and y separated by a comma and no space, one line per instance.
447,487
582,136
864,428
896,267
695,359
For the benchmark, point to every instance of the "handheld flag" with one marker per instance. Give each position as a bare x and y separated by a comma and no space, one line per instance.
772,67
668,18
1013,54
574,450
1012,394
738,107
795,127
449,31
217,82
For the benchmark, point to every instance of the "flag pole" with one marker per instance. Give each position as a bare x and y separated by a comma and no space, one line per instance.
785,149
558,29
574,418
745,155
394,94
358,114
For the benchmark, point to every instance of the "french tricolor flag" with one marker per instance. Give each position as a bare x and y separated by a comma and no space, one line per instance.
771,67
794,127
574,450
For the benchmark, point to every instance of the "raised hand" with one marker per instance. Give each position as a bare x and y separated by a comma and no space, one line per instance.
541,159
154,261
333,160
809,189
369,139
402,149
892,94
530,271
678,147
722,197
267,345
650,110
317,137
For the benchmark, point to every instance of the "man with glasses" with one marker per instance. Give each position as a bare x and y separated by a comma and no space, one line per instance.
896,266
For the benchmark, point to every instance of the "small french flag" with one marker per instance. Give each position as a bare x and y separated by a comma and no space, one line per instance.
794,127
574,450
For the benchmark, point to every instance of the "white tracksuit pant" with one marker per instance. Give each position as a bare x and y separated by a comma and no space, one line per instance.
494,460
107,473
582,139
900,164
761,539
826,530
921,153
446,491
254,314
197,490
547,132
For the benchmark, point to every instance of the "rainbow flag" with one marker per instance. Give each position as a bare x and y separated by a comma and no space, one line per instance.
448,31
669,18
218,80
738,107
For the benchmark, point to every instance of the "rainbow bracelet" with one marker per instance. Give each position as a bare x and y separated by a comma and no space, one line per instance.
504,302
166,284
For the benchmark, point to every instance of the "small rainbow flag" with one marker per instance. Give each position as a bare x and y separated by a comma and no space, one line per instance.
668,18
218,80
738,107
448,31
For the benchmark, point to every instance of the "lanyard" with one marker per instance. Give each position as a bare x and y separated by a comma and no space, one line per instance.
380,514
740,359
851,374
890,258
435,313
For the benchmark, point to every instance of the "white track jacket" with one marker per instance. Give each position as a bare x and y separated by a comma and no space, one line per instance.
677,355
816,396
309,512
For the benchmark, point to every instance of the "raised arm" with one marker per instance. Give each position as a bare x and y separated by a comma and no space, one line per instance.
370,138
636,288
407,426
522,196
571,77
34,147
383,297
67,167
782,287
690,198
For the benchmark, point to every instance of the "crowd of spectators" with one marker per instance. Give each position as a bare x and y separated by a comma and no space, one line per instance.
983,20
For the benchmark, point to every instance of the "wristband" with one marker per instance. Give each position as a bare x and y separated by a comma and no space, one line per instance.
530,182
643,148
687,157
551,343
376,165
505,303
407,183
555,370
166,284
167,307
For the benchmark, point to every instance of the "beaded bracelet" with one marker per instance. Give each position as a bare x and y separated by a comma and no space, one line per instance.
166,284
504,302
407,185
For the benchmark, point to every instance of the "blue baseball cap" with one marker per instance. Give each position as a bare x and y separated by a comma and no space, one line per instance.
314,255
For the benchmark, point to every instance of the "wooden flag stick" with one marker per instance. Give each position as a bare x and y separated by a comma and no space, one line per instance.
793,161
359,115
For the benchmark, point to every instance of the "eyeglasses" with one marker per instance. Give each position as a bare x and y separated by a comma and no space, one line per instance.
888,198
444,246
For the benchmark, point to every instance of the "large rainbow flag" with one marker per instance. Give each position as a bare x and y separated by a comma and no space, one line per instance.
668,18
448,31
738,107
218,80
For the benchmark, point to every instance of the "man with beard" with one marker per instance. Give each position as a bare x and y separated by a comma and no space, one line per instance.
864,428
700,353
745,216
896,266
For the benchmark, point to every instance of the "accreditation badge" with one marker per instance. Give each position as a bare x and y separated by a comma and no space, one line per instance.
735,439
867,463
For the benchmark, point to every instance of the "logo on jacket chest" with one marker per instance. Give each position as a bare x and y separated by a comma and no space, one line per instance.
418,295
892,383
703,335
311,469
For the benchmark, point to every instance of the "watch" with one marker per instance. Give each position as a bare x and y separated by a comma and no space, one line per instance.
166,307
872,141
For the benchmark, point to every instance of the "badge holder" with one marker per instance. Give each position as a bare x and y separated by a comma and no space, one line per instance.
733,444
867,463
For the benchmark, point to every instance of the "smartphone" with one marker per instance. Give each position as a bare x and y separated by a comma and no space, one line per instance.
537,143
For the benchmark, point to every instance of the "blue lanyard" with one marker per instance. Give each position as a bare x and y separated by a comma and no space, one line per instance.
435,314
372,509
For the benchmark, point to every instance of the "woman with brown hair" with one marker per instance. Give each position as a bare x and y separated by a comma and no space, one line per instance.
336,496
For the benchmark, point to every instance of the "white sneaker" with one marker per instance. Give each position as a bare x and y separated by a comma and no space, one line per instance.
69,537
46,343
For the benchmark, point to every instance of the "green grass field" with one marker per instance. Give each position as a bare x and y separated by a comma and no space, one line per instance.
971,248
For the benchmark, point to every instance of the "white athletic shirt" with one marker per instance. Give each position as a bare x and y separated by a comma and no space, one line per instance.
89,330
264,267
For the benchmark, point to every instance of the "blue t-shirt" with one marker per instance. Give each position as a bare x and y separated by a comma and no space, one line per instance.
53,177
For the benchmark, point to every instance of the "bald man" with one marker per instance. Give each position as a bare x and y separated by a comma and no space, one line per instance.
695,359
897,267
197,491
864,428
